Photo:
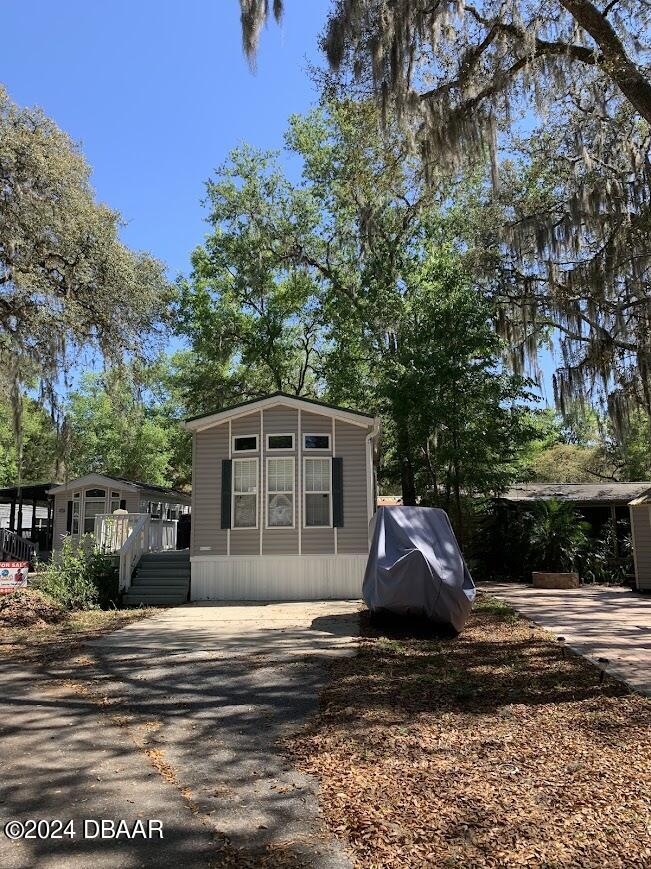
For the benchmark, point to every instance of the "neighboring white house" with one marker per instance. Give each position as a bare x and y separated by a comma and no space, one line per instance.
80,504
283,489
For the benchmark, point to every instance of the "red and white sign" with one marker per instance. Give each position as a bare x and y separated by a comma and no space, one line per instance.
13,575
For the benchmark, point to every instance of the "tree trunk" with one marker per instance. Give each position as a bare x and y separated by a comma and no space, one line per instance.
407,480
615,62
408,483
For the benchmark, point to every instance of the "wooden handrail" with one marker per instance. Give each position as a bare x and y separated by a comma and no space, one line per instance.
15,546
134,547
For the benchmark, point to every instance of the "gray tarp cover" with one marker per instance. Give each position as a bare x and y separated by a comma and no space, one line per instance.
415,566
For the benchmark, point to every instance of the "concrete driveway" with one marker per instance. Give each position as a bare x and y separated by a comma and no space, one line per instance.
596,621
180,716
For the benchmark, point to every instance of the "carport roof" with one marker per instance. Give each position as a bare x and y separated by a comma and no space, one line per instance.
578,493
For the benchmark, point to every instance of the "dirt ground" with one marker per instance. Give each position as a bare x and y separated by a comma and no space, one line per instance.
488,750
32,628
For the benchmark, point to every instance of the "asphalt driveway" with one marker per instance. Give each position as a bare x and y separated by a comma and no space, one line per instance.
599,622
179,717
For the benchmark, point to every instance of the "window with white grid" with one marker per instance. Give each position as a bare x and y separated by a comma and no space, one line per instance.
280,493
245,493
318,495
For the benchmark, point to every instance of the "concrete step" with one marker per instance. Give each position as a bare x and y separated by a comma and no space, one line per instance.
135,600
178,590
160,579
174,572
171,555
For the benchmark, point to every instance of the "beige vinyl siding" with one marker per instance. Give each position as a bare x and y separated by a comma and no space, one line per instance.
61,507
318,541
316,423
280,420
641,527
246,541
210,447
60,520
132,501
350,446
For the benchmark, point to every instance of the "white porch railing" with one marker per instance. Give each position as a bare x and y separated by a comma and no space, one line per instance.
132,550
113,530
162,534
130,535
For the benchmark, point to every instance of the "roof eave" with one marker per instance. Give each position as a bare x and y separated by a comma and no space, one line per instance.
201,423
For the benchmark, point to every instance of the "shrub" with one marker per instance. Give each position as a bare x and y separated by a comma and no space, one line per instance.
80,577
609,559
557,536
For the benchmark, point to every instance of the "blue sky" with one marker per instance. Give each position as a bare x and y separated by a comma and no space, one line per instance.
158,93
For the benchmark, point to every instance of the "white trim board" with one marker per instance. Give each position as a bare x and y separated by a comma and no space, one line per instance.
280,434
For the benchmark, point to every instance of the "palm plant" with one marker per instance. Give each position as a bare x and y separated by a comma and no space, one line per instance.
557,536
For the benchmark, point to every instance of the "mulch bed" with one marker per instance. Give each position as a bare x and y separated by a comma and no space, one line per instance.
27,607
486,750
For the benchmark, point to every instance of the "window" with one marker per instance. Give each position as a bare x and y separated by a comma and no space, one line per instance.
94,505
245,444
280,442
318,501
316,441
245,493
115,502
280,493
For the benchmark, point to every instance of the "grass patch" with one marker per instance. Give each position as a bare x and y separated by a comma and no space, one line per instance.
496,607
485,750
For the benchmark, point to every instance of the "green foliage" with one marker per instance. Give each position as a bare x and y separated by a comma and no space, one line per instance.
39,444
568,463
609,559
67,283
124,422
355,285
65,278
557,536
80,576
249,309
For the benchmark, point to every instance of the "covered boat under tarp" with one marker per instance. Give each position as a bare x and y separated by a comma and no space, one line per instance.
415,567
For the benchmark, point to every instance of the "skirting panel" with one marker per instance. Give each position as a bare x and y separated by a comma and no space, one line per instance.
281,577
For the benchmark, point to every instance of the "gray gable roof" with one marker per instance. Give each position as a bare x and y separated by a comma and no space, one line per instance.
577,493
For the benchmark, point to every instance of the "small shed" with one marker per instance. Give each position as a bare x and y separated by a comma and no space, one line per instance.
598,502
640,509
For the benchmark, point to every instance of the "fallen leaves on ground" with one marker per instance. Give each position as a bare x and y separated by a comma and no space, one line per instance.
33,627
28,607
487,750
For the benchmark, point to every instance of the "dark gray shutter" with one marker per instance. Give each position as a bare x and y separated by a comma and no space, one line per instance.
69,519
227,473
123,503
338,493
